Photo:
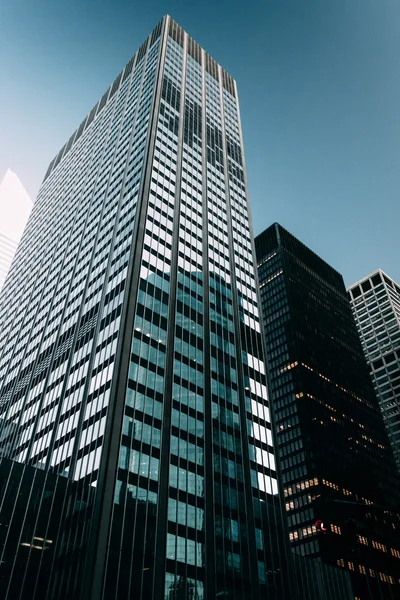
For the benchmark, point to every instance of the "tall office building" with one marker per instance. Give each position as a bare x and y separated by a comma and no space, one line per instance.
15,208
375,301
337,465
132,374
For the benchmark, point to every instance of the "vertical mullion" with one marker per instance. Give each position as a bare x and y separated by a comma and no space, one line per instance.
162,514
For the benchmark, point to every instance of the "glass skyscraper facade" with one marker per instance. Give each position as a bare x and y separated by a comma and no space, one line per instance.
375,301
337,465
133,394
7,251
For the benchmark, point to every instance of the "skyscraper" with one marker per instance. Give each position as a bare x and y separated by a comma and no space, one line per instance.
131,368
375,301
337,465
15,208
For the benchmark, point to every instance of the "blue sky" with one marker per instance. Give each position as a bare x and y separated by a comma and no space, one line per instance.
319,87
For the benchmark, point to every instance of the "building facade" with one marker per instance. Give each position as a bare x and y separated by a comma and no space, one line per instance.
337,465
375,301
15,208
8,248
319,581
131,369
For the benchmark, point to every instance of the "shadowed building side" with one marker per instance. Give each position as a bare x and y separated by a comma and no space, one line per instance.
333,445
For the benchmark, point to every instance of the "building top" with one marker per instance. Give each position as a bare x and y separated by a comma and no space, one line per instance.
176,33
376,277
276,235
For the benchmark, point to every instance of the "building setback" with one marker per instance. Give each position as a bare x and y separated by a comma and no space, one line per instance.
333,445
132,378
375,301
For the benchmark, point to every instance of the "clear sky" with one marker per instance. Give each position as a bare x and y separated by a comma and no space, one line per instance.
319,87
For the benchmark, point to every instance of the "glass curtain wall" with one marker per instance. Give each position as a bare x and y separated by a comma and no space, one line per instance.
132,371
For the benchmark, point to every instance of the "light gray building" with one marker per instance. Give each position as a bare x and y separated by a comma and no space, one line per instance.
375,301
15,208
131,362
